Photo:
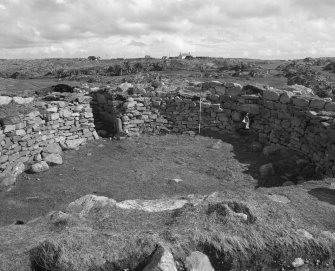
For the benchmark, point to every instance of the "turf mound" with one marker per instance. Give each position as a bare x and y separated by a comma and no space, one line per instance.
98,233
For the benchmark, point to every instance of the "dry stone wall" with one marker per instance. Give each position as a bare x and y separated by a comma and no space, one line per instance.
301,123
29,138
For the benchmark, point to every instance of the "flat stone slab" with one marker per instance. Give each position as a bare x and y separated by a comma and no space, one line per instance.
87,203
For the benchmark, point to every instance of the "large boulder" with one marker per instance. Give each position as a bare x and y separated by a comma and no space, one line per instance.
9,178
39,167
272,94
85,204
72,144
157,205
301,90
21,100
53,148
198,261
5,100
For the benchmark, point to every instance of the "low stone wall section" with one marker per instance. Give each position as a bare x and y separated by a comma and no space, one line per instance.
301,123
31,137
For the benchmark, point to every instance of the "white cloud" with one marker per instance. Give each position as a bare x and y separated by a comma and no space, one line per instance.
253,28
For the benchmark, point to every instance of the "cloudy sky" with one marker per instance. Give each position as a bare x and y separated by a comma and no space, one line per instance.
269,29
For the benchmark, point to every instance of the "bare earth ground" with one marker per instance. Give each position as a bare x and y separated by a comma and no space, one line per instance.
144,168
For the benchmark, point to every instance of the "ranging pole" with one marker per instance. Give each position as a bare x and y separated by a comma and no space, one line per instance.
200,113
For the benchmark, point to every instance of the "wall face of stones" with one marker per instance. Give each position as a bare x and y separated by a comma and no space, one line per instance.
24,138
300,123
304,124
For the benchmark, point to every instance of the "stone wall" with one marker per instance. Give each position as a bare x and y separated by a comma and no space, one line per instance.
29,138
301,123
304,124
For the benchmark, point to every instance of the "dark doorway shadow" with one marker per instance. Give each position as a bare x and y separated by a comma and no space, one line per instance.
324,194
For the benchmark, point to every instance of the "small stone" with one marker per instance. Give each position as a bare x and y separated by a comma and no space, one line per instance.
18,169
95,135
279,198
172,181
233,89
39,167
266,170
53,159
38,157
242,216
125,87
268,150
286,97
298,262
300,101
272,94
304,233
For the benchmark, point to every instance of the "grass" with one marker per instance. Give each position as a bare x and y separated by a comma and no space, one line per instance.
110,238
116,239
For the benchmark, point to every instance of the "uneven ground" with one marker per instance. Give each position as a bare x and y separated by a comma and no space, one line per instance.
144,168
141,168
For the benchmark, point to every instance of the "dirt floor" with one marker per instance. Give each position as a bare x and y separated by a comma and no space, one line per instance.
152,167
